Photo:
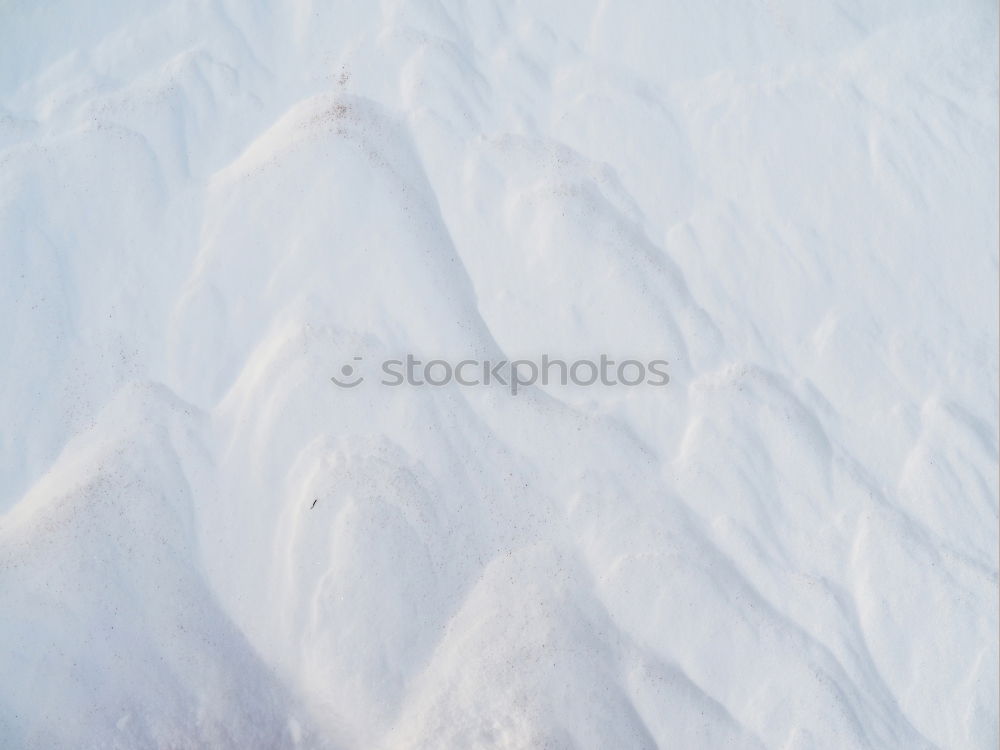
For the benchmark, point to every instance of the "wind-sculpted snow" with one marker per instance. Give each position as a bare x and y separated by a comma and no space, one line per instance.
207,210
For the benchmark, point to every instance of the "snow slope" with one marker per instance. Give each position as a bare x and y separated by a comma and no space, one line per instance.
207,208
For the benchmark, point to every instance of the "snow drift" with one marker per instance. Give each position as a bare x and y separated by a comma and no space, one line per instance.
206,209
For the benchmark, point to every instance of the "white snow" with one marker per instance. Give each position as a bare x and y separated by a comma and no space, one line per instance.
207,208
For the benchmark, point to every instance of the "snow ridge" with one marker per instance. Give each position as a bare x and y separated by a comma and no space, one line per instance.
206,209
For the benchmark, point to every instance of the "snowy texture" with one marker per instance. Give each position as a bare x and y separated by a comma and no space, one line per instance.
207,208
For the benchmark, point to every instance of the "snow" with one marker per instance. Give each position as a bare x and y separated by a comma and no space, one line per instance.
207,209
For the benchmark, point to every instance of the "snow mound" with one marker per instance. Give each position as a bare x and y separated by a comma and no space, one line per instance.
208,209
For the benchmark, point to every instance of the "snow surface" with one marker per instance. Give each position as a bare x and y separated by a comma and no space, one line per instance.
207,208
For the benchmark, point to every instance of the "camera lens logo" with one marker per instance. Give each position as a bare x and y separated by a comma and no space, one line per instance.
348,372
